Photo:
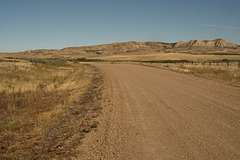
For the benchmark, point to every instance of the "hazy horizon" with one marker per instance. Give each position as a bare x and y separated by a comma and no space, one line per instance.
56,24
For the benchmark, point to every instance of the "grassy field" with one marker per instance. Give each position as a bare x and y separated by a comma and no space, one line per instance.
210,65
228,72
169,56
34,97
218,69
41,99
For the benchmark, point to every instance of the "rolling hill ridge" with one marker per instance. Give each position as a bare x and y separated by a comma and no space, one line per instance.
217,43
217,46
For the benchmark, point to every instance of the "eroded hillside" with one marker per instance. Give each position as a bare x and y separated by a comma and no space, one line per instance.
206,47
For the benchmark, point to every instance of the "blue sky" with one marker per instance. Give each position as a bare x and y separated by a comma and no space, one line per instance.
55,24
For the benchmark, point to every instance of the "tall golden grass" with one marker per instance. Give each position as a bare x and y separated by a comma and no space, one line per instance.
223,71
32,96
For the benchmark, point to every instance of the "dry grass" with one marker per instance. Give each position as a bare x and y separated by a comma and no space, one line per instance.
219,71
231,76
39,104
223,73
200,67
168,56
33,97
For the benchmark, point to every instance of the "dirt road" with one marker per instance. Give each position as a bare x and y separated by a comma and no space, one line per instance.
152,113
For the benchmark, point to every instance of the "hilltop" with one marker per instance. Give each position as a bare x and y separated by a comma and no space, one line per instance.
217,43
205,47
133,47
121,48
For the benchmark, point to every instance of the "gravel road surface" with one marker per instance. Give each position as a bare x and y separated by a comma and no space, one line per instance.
151,113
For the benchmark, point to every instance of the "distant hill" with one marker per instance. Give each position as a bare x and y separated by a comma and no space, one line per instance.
133,47
217,46
121,48
217,43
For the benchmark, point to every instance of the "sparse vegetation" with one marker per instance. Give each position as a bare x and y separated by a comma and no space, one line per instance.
85,60
224,70
94,125
97,108
33,98
49,61
39,90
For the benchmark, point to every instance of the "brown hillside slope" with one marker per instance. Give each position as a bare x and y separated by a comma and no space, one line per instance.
209,47
120,48
219,43
134,48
